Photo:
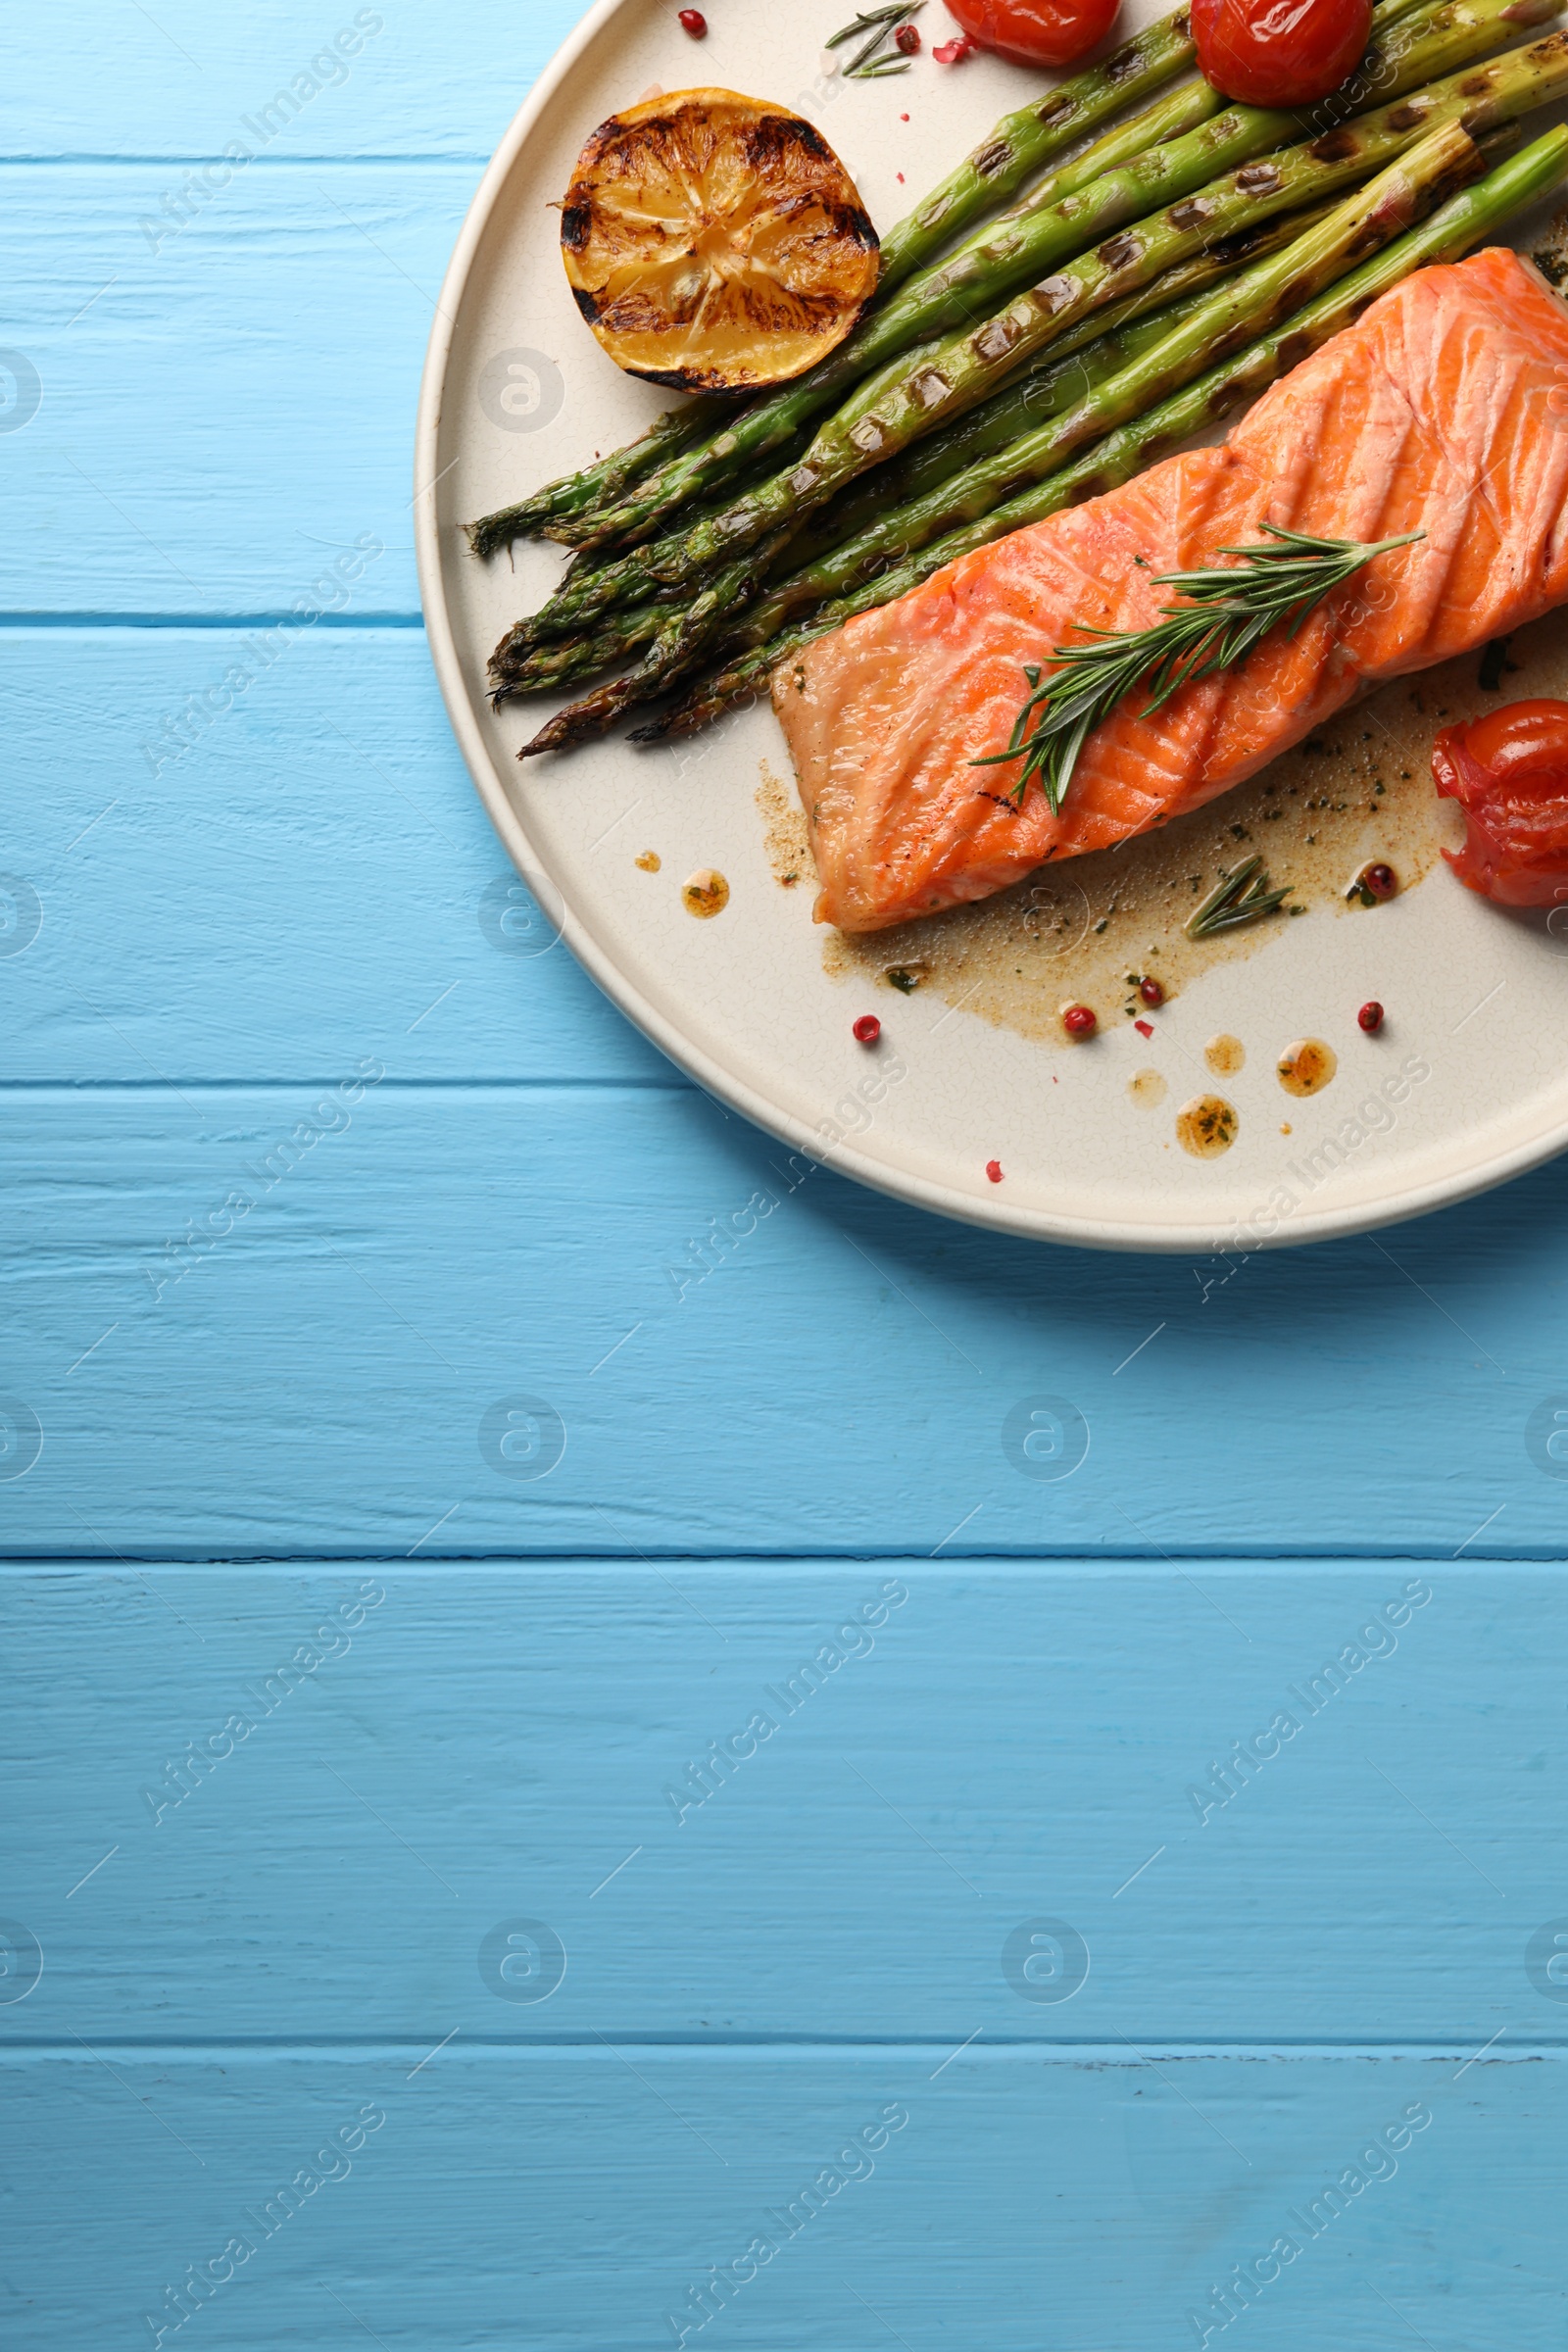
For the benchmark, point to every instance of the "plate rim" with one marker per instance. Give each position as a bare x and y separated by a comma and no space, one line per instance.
724,1084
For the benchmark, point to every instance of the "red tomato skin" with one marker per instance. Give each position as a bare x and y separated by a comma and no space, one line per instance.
1037,32
1509,773
1280,52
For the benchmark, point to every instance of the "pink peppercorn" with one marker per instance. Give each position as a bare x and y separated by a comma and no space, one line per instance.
1381,881
994,1170
868,1029
1370,1017
695,22
1151,992
1079,1020
908,39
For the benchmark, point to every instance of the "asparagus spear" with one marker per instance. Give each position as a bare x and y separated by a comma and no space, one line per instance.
1221,321
1018,147
929,301
596,583
919,394
1464,221
970,366
602,482
1067,217
527,662
1022,143
591,586
1106,341
674,650
1052,386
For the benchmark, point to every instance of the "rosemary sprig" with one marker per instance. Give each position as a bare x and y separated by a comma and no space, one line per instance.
1227,616
880,22
1242,896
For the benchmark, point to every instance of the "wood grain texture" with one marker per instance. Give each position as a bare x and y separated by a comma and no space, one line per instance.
913,1762
274,1320
259,893
278,963
182,80
572,2200
221,416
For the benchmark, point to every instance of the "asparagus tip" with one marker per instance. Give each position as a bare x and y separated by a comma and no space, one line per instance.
492,533
580,723
485,540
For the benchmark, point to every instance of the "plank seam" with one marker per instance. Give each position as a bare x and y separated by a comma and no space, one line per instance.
596,2045
734,1555
398,618
430,155
567,1082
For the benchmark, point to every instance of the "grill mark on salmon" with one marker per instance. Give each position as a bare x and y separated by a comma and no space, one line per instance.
1434,413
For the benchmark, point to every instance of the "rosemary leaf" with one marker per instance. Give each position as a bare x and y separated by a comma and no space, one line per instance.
879,16
854,71
1229,886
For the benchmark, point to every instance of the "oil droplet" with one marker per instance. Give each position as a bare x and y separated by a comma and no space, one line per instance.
1206,1126
1225,1055
1147,1089
650,861
706,895
1286,1128
1307,1067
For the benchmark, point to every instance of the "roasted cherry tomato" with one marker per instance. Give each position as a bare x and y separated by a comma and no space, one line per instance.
1280,52
1037,32
1509,774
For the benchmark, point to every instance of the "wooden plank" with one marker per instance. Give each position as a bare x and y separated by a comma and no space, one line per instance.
255,890
787,1799
203,443
590,2198
189,81
275,1321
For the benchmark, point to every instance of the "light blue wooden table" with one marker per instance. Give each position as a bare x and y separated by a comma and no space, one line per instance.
791,1878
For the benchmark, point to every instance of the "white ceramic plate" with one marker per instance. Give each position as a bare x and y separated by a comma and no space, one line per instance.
517,392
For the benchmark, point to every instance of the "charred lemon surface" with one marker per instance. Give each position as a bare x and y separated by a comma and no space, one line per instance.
714,243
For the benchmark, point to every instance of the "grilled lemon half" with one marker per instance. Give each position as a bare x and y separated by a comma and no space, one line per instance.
715,242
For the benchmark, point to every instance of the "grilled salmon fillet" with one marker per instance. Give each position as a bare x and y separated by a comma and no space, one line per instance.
1444,409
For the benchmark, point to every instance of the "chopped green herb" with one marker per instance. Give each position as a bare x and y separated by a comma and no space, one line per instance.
1242,896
